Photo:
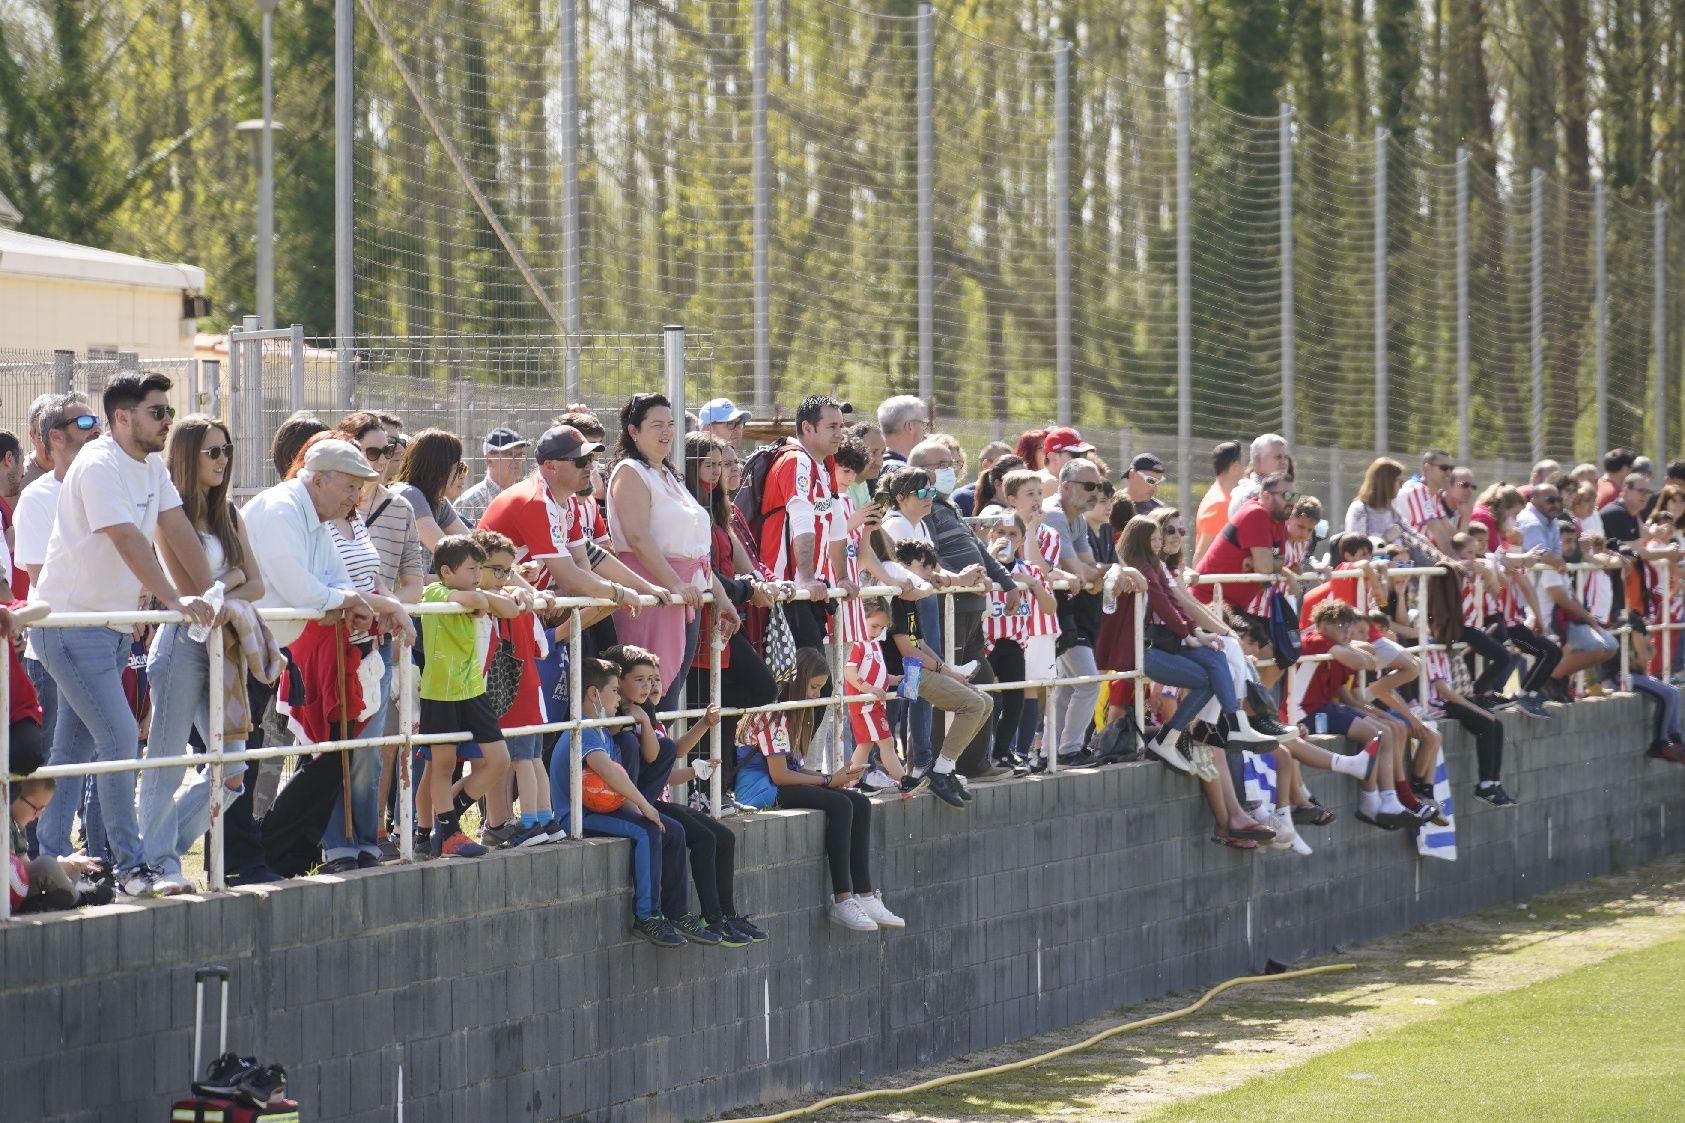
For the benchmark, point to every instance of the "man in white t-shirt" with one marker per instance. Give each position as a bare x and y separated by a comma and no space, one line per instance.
116,497
65,423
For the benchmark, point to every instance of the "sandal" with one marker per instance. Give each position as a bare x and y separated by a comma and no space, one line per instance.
1313,814
1254,833
1234,843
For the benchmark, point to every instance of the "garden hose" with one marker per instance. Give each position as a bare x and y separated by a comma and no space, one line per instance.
1014,1066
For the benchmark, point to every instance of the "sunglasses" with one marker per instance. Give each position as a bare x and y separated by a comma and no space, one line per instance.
1441,467
158,412
1087,486
220,452
584,461
1174,530
86,422
380,452
1289,496
923,493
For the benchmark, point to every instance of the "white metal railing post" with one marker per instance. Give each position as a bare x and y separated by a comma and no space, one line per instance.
1600,259
1463,302
926,188
1062,228
405,670
762,235
576,709
6,656
1665,618
1140,683
1536,308
1424,639
716,735
835,757
216,744
1381,435
1184,287
1289,341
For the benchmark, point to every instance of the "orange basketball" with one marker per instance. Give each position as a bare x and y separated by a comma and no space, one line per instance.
598,795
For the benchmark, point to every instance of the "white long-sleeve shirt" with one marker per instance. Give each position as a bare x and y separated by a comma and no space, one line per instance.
296,552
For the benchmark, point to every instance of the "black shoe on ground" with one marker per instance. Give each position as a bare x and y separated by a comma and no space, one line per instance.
1079,759
367,861
263,1085
1495,795
748,928
223,1075
338,865
659,931
946,788
1038,765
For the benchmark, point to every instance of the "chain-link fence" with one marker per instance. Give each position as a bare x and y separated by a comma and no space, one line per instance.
26,374
963,206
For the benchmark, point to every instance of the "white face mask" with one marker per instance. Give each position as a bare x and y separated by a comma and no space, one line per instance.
945,480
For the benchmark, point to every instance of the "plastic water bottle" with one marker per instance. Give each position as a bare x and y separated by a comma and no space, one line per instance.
199,633
1108,598
911,668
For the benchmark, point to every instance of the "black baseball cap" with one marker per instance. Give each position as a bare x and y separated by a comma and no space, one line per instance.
1147,462
563,442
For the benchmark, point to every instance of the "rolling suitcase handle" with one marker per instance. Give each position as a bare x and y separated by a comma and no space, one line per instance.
199,977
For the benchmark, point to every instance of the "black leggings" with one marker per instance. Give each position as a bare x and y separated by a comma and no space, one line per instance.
848,832
1007,659
1499,662
713,859
744,684
1546,655
1488,734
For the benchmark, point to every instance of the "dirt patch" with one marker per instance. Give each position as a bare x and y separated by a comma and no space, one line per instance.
1257,1031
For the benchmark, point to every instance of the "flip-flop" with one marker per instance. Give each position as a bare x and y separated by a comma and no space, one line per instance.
1254,833
1234,843
1313,814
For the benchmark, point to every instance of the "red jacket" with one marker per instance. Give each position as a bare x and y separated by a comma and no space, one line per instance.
326,694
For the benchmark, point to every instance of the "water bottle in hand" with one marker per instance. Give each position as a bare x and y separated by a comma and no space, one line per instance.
198,633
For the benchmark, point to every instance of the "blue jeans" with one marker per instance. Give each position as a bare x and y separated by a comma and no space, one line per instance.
658,859
1202,673
48,693
178,670
365,784
94,722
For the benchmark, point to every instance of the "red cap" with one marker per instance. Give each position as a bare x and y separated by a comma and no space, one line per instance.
1065,439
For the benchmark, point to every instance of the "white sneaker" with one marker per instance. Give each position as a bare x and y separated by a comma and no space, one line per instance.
1170,752
172,883
1286,838
878,912
964,669
877,780
142,881
849,914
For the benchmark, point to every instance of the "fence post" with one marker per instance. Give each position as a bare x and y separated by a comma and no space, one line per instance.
128,360
1659,329
1463,443
1184,293
215,744
297,342
1062,226
1536,308
576,704
1289,341
570,198
1382,441
762,177
344,292
673,362
210,383
64,371
927,199
1600,218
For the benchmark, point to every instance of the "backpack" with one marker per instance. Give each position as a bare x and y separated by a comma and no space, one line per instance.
750,499
1283,624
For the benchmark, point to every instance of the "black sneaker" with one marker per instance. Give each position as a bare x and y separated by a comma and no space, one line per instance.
729,936
263,1085
1038,764
748,928
1080,759
367,861
223,1075
1429,811
1495,795
1532,705
339,865
1270,727
912,785
494,837
690,926
964,786
946,788
658,930
1386,820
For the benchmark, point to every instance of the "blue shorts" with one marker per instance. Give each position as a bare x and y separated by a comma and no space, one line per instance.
1333,718
465,750
525,747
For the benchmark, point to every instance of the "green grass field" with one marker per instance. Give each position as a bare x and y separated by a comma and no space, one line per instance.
1597,1043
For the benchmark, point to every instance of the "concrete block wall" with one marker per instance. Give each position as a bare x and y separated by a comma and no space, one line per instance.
507,988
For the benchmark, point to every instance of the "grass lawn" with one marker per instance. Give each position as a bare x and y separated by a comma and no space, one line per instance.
1599,1042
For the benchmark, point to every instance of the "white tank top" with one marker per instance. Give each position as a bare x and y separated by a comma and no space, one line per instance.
677,523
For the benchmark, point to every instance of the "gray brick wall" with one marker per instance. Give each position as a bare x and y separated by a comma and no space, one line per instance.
507,988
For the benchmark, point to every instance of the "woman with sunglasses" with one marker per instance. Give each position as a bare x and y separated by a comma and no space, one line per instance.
200,456
430,475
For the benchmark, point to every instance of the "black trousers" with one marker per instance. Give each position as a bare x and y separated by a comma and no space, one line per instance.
1007,662
1546,655
713,859
1499,662
1488,734
745,682
848,832
807,623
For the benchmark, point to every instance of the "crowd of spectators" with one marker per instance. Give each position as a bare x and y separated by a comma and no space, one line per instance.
753,562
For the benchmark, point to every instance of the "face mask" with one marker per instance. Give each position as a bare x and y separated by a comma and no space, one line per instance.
945,480
860,493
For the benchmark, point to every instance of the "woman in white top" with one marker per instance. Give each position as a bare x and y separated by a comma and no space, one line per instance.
1371,514
200,454
662,534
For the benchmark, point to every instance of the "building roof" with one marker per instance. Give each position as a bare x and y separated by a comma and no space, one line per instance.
30,256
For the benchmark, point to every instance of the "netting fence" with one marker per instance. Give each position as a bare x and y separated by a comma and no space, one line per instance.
964,207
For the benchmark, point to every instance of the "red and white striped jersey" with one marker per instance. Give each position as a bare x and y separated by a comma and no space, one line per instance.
1038,621
997,624
851,611
802,500
866,656
1418,506
767,732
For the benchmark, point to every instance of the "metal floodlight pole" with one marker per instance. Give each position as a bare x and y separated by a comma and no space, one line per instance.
343,174
266,177
762,177
1659,328
927,199
1289,344
1536,308
1184,290
1381,434
570,198
1062,227
1601,300
1463,441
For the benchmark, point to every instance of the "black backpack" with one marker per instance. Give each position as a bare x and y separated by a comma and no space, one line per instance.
751,493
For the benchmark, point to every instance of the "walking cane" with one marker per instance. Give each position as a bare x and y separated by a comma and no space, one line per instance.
339,642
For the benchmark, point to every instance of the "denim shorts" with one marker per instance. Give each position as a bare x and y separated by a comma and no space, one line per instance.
1332,718
1585,637
525,747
